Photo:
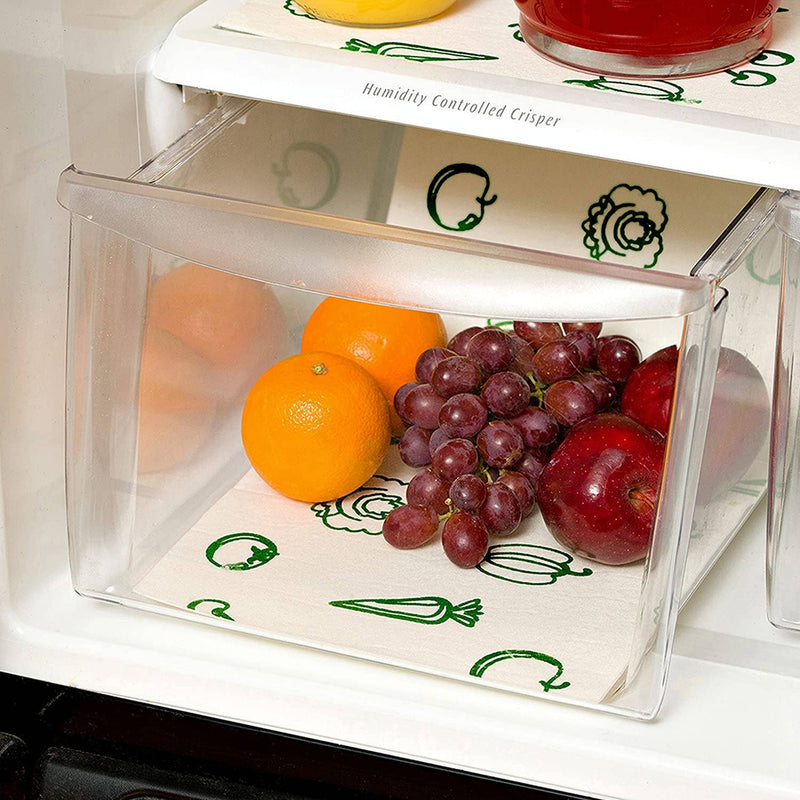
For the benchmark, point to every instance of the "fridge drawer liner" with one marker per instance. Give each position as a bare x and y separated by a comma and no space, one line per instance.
609,211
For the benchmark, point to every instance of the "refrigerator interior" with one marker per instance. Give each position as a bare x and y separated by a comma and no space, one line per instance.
111,649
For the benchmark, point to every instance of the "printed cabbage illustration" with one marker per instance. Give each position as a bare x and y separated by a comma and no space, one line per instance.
364,510
628,222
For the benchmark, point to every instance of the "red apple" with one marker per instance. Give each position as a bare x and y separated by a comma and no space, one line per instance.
739,417
598,492
738,424
647,396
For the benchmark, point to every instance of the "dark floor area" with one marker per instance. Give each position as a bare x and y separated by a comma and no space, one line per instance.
64,744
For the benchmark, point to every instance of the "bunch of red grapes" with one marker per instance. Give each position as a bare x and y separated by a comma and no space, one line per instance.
482,419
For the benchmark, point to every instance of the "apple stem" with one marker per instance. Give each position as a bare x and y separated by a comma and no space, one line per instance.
638,496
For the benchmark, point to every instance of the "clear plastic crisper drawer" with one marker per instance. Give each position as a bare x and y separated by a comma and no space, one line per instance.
783,551
199,273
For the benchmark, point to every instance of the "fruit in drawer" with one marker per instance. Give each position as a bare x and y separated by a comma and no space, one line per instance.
647,396
315,426
739,417
738,424
177,406
540,409
235,323
598,492
385,341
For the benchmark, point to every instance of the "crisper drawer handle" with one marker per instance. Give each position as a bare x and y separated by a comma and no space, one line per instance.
377,262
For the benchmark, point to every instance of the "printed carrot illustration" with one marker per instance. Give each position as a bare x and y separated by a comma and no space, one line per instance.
425,610
413,52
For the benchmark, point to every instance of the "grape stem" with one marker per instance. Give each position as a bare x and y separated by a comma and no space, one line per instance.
537,390
484,472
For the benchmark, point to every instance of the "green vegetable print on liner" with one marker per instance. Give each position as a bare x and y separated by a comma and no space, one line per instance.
656,90
472,219
413,52
364,510
327,167
751,265
258,555
529,564
626,222
220,610
297,10
482,664
767,59
425,610
750,488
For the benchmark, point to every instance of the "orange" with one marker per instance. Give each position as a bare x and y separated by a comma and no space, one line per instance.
315,426
176,404
235,323
386,341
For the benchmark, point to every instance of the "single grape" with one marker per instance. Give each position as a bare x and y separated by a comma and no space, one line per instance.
463,415
531,464
456,375
586,345
538,333
399,397
438,437
407,527
500,444
421,406
501,512
453,458
458,344
604,391
556,361
465,539
427,489
427,361
522,488
537,426
592,327
491,349
522,363
467,492
414,446
569,402
617,357
506,394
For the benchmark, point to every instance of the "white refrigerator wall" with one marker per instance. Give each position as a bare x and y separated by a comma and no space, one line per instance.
73,91
33,280
119,116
